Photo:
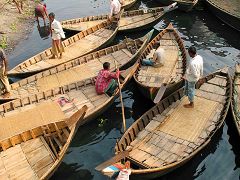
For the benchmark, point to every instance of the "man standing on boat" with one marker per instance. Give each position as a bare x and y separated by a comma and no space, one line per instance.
193,73
56,33
5,90
115,7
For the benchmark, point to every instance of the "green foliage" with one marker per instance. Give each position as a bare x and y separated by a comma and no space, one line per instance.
3,42
13,27
102,122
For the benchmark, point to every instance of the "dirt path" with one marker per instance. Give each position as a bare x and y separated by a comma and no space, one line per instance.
15,27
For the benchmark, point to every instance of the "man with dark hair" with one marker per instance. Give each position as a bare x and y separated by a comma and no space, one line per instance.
193,74
156,56
41,11
3,74
106,82
56,33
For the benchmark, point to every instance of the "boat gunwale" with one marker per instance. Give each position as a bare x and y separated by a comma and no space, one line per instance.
159,10
222,9
72,39
233,103
150,46
122,144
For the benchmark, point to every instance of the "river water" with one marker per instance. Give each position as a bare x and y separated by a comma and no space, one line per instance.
217,43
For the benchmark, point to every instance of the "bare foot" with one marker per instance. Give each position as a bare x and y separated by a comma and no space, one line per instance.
52,57
60,57
190,105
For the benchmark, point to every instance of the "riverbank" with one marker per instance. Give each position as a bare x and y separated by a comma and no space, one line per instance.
14,26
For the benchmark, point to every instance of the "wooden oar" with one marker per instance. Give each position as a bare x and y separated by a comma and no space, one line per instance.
113,160
160,93
120,95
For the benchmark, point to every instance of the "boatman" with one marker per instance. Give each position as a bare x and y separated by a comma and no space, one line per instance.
156,56
193,74
5,87
106,82
115,8
56,33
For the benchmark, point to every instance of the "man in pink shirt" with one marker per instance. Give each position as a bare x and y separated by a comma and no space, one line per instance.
106,82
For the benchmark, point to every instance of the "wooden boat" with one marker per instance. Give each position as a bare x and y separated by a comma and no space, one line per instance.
149,79
33,144
78,45
88,66
169,135
236,99
72,97
183,5
128,3
130,20
226,11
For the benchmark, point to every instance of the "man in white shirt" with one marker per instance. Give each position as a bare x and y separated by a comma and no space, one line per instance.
193,74
56,33
115,8
156,57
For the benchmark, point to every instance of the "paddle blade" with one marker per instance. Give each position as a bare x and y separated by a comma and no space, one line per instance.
160,93
113,160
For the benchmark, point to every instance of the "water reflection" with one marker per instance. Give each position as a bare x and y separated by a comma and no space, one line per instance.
44,31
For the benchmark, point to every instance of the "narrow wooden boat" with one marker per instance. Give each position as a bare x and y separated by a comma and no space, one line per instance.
72,97
226,11
169,135
128,4
78,45
130,20
149,79
88,66
35,140
235,103
183,5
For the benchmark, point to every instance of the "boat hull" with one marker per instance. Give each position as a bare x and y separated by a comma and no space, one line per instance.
181,6
224,16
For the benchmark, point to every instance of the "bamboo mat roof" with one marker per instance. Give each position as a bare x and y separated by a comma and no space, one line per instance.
33,116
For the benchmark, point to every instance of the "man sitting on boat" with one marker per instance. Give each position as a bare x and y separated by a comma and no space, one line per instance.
193,73
106,82
156,56
115,7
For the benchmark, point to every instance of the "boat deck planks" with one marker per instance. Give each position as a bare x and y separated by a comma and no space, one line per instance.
130,20
177,131
76,46
28,160
47,112
78,73
158,75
